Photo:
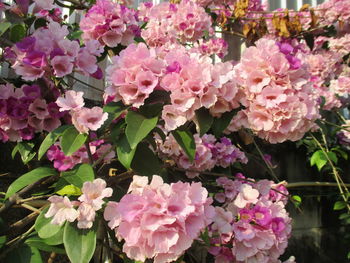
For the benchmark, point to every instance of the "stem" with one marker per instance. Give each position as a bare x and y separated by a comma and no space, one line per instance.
267,164
335,173
307,184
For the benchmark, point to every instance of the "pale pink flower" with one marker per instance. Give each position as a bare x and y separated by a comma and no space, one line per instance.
86,216
87,119
94,192
72,101
61,209
247,194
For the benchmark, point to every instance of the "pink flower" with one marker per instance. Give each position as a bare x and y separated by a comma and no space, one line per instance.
72,101
86,216
94,192
160,221
39,108
62,65
247,194
61,209
89,119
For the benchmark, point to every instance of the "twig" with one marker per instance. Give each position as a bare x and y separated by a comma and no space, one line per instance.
308,184
267,164
84,83
337,177
51,258
31,208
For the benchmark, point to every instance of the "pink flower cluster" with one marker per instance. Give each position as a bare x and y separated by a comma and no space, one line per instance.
332,11
190,78
254,225
168,23
63,163
340,45
24,111
209,153
84,119
344,134
280,102
91,200
110,23
48,52
159,220
213,46
325,66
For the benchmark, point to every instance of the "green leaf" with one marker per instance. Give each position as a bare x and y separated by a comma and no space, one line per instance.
39,243
138,127
160,133
72,140
333,157
151,110
50,139
29,178
2,241
319,159
186,141
40,22
341,153
205,237
220,124
3,27
24,254
145,162
69,190
44,227
79,175
297,200
124,152
26,151
14,151
339,205
205,120
17,33
80,244
114,110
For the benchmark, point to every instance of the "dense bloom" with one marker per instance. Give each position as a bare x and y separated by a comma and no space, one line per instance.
24,112
254,225
84,119
63,163
49,52
209,153
280,102
188,76
109,23
159,220
168,23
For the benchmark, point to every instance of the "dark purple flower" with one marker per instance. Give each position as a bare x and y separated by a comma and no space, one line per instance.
98,74
27,133
32,92
36,59
26,44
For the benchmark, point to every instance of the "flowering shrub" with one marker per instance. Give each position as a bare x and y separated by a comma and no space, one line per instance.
151,171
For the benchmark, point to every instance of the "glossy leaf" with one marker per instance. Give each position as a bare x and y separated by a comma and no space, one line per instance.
204,119
29,178
39,243
50,139
43,226
80,244
124,152
17,32
145,161
220,124
3,27
69,190
24,254
138,127
186,141
72,140
319,159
